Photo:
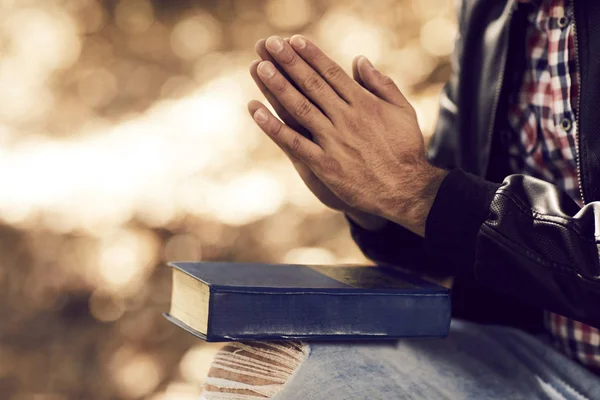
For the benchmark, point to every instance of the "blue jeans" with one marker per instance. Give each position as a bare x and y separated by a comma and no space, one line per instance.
473,362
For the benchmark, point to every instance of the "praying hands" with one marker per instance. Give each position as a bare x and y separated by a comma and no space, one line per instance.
355,142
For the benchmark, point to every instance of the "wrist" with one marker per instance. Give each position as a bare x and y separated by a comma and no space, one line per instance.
414,201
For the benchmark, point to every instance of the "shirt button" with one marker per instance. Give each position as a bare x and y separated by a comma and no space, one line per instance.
563,22
566,124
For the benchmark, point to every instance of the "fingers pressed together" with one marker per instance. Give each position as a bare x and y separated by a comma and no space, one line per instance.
309,91
306,88
359,135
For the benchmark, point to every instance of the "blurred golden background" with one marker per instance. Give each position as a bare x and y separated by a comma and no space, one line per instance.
125,142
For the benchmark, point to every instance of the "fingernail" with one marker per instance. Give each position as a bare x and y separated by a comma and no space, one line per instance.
366,60
275,43
261,115
298,42
253,63
266,69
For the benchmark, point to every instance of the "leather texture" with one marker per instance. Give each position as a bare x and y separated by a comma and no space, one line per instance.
534,248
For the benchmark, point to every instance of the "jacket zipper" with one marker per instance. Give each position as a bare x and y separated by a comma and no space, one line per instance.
499,84
578,73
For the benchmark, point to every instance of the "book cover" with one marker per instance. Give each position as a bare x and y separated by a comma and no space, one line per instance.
219,301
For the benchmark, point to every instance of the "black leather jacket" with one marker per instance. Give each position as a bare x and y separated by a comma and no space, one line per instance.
516,244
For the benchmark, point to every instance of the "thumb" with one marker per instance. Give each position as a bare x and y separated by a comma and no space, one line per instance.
379,84
355,73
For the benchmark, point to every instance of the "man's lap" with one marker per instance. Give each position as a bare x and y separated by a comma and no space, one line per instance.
474,361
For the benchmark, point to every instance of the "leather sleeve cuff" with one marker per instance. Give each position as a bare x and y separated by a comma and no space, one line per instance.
392,244
460,207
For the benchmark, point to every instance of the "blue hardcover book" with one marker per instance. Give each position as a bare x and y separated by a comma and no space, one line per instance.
221,302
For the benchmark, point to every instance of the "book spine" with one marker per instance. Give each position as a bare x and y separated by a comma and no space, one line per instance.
277,316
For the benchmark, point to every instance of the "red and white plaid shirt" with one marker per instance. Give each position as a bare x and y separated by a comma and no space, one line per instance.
543,114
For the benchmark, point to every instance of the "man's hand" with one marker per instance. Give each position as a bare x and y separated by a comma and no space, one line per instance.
367,149
315,185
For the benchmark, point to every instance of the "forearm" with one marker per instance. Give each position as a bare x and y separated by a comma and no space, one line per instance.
525,239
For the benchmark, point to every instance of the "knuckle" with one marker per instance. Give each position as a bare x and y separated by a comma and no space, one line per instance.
309,157
386,80
313,83
310,55
330,165
376,108
296,143
352,125
333,72
302,108
289,59
279,85
277,129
